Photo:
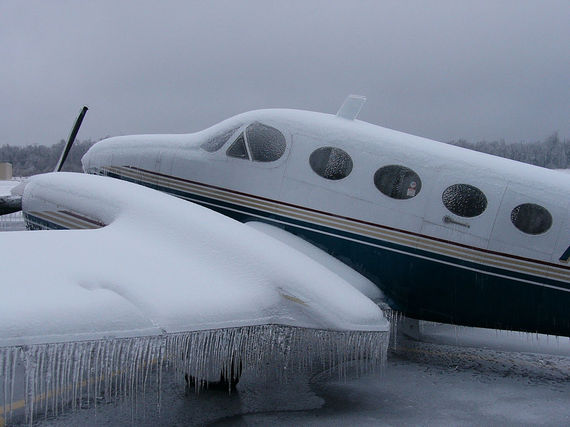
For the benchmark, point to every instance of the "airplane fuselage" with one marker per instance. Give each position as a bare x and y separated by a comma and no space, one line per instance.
448,234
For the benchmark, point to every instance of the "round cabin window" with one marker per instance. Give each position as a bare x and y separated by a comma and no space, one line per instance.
397,182
266,144
331,163
531,219
464,200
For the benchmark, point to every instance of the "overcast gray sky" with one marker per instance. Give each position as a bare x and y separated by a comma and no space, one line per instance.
440,69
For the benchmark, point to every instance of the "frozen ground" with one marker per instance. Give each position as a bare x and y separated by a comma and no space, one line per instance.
441,381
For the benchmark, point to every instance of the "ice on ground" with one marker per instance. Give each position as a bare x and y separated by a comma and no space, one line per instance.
423,384
493,339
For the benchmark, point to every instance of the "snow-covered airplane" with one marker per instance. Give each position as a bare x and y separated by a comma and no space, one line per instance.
335,209
447,234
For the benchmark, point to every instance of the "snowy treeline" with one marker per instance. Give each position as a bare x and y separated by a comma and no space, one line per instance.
552,153
34,159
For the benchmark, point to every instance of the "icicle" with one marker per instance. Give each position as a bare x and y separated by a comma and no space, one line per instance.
74,375
394,317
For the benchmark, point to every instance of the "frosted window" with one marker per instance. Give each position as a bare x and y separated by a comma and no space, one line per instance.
397,182
217,141
464,200
331,163
237,149
531,219
266,144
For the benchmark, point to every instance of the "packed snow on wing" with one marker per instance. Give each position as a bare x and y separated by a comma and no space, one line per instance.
162,281
356,279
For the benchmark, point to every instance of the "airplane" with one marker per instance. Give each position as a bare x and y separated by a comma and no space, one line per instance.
446,234
449,235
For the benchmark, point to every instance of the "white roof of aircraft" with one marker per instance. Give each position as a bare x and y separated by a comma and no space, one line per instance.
364,138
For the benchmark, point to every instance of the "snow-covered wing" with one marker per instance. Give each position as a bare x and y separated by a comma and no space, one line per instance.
153,265
356,280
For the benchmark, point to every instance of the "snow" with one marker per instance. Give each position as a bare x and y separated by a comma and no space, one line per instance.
6,186
161,265
358,281
166,281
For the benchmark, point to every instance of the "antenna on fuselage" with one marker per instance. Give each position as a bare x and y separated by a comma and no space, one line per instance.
351,107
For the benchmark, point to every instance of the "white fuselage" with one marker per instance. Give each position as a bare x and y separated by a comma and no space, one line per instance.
287,192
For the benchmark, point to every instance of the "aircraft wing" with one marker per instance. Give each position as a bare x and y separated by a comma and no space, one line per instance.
136,262
356,280
132,277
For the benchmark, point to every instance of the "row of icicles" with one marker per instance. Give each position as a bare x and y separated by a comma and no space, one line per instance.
48,379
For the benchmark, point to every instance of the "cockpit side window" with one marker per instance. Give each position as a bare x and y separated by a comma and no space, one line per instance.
266,144
260,143
238,149
217,141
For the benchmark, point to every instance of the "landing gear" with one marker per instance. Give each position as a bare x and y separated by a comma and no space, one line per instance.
228,383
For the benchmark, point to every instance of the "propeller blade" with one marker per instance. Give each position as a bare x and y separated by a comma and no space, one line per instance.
71,139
